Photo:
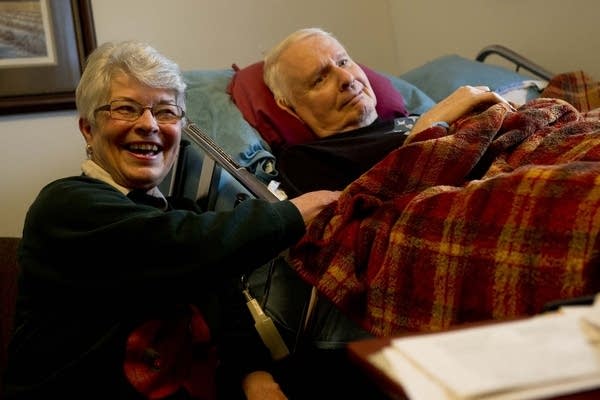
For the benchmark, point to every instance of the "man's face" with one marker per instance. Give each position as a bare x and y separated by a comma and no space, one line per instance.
327,90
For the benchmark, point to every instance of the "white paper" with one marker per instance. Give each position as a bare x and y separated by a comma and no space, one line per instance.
493,360
418,386
415,383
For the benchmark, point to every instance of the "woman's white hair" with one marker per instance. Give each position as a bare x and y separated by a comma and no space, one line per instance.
132,58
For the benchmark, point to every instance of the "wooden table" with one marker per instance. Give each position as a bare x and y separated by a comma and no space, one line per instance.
360,351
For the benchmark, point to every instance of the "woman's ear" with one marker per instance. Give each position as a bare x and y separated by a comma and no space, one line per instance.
85,127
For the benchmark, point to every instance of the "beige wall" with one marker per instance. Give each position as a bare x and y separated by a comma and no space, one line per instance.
557,34
217,33
389,35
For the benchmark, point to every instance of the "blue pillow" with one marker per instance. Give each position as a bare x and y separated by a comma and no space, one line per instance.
415,100
209,106
442,76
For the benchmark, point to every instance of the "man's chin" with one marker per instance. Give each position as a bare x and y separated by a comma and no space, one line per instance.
370,117
365,118
348,122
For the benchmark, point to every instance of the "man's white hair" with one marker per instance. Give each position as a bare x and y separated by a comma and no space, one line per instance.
273,76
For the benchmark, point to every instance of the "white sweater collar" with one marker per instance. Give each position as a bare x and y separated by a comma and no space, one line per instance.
93,170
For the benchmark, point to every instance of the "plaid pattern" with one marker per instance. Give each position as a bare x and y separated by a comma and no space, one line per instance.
577,88
489,219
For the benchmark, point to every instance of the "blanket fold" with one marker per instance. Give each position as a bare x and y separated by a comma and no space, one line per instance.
489,219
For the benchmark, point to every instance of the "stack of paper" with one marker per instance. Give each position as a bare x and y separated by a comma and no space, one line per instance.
534,358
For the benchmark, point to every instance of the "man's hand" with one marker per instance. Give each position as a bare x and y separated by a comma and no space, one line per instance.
459,103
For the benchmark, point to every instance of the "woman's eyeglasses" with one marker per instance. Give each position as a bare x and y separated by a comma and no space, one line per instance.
127,110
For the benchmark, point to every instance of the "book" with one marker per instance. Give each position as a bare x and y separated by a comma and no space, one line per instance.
534,358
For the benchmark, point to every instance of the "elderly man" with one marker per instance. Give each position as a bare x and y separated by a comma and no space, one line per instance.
313,78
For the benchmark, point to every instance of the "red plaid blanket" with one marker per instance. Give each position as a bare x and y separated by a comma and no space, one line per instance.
490,219
577,88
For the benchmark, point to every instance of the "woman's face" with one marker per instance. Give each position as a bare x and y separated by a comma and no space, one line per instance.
137,154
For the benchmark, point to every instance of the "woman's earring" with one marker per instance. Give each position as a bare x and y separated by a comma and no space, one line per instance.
88,151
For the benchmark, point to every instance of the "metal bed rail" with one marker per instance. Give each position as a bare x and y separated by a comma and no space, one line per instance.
517,59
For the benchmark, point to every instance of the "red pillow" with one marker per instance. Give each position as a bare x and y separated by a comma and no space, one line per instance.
277,127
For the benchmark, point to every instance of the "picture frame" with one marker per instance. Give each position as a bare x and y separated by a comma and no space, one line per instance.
48,82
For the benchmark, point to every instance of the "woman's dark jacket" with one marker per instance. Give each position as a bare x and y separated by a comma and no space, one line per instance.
96,264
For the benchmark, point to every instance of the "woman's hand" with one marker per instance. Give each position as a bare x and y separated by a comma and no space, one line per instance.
310,204
260,385
459,103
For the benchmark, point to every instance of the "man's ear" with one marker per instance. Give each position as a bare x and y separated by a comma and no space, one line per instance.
281,103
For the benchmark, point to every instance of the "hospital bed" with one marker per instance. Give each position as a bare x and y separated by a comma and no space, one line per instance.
227,156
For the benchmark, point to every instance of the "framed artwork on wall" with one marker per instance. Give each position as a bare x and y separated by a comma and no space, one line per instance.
43,46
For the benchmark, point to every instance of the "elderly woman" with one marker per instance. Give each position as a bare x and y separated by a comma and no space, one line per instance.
125,294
